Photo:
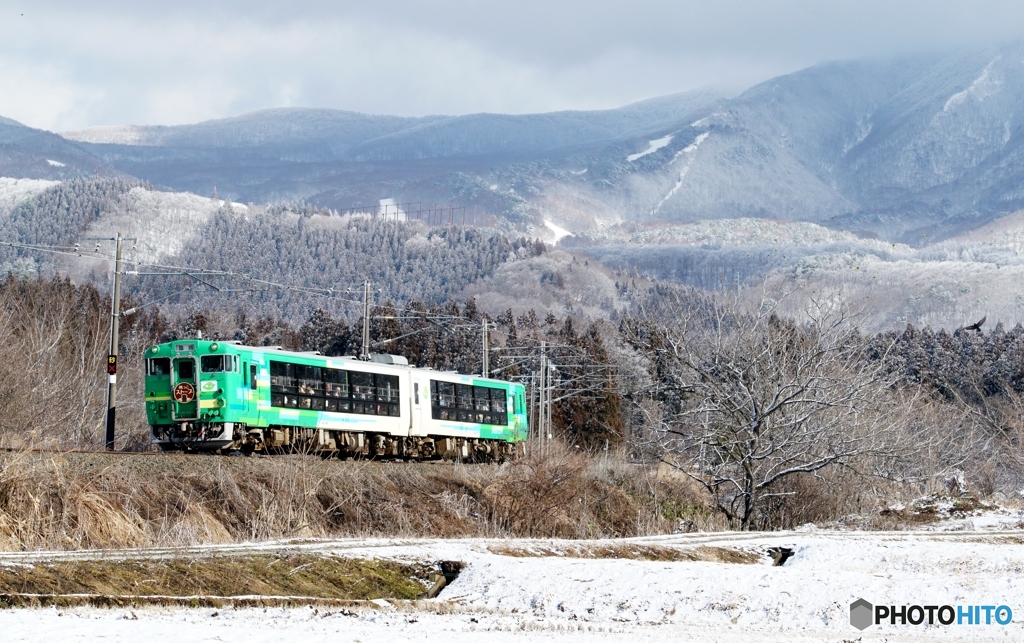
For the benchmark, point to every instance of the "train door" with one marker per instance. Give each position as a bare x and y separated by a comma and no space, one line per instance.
420,403
252,392
244,395
185,388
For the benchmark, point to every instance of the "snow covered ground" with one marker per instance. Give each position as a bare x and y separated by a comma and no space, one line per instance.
543,593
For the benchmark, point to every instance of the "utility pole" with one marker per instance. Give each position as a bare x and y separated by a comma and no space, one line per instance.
115,319
487,349
364,354
541,395
547,400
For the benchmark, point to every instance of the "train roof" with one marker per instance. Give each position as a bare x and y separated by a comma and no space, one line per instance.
376,359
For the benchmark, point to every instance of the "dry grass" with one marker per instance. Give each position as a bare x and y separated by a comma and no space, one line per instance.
631,551
213,578
93,500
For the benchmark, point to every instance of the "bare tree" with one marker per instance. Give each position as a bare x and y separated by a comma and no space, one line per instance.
750,400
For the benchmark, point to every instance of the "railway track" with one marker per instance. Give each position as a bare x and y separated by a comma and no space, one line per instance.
181,454
88,451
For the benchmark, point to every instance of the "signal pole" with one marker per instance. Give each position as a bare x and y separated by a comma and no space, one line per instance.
115,319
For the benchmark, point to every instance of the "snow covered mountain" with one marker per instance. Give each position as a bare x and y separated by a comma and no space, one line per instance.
910,149
27,153
339,158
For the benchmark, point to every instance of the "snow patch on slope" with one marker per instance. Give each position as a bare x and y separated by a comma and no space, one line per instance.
560,233
162,222
690,151
16,191
652,147
982,87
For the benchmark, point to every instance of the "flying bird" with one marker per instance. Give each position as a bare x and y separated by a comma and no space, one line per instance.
976,325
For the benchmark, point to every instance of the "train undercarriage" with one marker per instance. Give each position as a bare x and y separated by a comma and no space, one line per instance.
228,437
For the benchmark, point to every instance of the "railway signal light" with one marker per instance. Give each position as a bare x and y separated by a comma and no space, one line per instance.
112,365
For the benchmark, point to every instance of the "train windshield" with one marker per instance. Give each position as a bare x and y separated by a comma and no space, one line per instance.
215,363
159,366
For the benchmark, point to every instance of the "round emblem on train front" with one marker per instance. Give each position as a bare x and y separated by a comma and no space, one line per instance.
184,393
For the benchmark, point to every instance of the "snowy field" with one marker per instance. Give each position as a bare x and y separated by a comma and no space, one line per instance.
542,593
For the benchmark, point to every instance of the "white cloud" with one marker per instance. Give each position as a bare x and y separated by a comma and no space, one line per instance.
42,95
118,62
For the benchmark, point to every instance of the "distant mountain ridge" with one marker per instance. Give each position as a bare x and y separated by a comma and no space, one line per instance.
356,136
37,154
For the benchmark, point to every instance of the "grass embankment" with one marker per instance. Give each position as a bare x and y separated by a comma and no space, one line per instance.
96,500
212,581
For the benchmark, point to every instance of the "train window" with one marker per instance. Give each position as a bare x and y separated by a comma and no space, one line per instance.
481,398
215,363
252,375
445,394
310,379
387,395
186,370
499,401
335,383
362,386
330,389
464,403
282,377
442,398
387,388
159,366
464,396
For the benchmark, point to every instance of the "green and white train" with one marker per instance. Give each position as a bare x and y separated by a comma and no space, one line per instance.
215,396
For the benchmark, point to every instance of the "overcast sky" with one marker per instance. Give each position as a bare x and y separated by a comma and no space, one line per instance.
71,64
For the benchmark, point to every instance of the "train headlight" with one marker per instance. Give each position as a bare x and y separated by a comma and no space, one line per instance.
214,346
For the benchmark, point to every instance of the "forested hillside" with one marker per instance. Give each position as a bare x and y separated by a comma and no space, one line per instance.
57,217
324,260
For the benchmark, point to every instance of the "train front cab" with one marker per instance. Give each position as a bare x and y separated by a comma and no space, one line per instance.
193,397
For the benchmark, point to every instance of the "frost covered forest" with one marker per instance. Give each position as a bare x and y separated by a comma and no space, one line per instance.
776,403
